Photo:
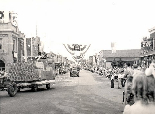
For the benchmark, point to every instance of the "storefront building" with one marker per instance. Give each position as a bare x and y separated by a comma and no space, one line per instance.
11,40
148,48
125,56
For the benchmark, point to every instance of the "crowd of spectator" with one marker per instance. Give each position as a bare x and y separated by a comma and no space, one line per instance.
138,84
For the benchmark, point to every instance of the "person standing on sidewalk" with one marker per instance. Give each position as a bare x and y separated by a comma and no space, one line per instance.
120,78
112,79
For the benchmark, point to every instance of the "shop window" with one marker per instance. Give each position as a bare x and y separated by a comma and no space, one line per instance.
0,46
14,45
0,43
2,65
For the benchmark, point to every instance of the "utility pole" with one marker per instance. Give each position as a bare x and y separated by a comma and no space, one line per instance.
36,30
31,49
25,50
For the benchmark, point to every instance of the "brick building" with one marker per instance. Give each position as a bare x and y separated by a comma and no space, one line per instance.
127,56
11,40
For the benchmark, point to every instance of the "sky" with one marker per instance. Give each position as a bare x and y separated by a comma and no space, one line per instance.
95,22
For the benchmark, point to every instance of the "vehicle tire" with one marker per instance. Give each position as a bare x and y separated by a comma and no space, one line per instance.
48,86
18,89
34,88
12,89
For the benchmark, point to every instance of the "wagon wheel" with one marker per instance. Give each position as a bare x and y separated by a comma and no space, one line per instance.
12,89
48,86
35,88
18,89
78,75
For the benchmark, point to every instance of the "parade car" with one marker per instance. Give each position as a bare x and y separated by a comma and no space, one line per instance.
74,71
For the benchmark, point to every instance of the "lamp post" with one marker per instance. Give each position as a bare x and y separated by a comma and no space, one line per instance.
25,50
104,61
31,48
153,44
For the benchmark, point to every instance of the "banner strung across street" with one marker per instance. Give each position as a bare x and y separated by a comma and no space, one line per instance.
77,50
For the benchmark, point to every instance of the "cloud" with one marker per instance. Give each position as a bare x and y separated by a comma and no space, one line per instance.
98,22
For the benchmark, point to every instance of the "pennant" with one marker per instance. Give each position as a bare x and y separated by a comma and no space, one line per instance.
69,49
77,50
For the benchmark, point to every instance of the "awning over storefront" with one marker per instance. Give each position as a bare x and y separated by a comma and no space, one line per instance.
131,59
148,54
110,59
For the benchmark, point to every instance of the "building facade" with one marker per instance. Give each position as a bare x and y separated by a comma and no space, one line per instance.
127,56
11,40
32,46
148,48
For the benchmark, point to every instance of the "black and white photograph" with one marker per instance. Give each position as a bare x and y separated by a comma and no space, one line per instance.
77,56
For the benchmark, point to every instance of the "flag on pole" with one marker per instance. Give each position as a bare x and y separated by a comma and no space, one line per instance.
113,47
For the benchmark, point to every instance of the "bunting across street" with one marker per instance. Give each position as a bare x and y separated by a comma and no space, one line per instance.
77,50
78,58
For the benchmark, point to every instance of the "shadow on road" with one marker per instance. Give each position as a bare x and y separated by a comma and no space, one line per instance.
4,94
39,90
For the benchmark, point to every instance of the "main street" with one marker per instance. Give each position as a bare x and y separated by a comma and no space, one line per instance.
87,94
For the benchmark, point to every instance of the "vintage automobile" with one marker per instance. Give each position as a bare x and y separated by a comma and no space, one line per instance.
74,71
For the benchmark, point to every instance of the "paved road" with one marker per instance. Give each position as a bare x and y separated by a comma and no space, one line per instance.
87,94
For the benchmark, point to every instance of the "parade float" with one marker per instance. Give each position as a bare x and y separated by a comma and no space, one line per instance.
22,61
27,75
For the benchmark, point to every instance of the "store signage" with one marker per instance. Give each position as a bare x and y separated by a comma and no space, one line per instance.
146,45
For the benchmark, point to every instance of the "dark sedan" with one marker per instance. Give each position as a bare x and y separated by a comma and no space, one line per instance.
74,71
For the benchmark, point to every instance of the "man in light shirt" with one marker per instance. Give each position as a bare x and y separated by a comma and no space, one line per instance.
120,78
